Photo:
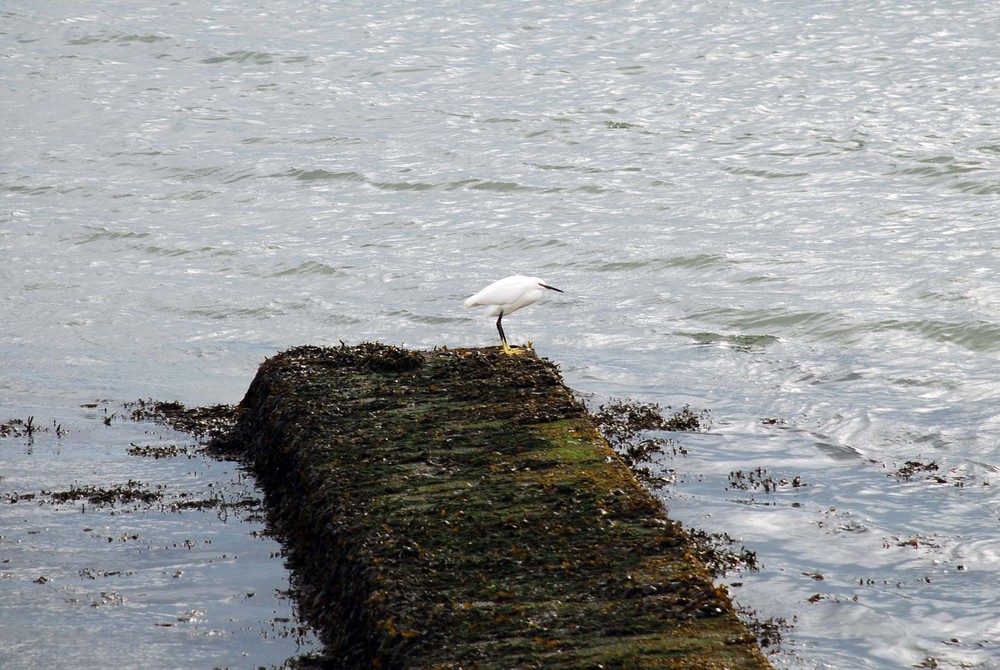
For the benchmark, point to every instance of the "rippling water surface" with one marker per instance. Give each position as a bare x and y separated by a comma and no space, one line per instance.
784,213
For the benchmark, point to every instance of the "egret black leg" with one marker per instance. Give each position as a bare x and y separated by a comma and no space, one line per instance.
503,338
507,349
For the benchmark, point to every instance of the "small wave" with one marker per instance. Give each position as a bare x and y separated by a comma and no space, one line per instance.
819,325
737,342
255,57
508,187
427,319
933,171
104,38
980,335
974,335
402,185
515,187
522,243
948,169
623,266
977,187
760,279
838,452
238,175
155,250
697,262
197,194
26,190
764,174
102,234
308,268
321,175
584,169
620,125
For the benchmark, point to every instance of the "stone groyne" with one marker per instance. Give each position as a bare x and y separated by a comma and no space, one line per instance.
458,509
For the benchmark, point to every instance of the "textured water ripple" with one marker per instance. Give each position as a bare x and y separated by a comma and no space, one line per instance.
781,212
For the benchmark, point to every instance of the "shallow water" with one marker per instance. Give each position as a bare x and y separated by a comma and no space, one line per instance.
122,545
782,213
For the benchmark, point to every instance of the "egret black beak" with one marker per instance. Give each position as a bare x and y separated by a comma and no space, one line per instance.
551,288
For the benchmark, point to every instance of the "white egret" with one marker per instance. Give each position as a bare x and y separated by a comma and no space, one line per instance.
506,296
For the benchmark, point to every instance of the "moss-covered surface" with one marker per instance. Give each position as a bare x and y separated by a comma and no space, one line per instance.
457,509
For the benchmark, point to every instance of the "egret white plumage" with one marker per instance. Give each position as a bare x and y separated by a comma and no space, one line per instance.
506,296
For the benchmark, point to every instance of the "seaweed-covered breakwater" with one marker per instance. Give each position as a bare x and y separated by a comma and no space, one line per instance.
457,509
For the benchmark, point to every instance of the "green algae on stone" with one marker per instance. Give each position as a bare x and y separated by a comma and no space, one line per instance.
458,509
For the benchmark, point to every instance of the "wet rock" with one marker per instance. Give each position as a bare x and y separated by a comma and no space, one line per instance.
458,508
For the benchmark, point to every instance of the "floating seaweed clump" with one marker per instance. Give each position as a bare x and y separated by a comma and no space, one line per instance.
27,428
132,491
621,419
630,427
213,421
157,452
910,469
760,478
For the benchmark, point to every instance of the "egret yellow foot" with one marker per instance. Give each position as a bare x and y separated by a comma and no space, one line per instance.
511,351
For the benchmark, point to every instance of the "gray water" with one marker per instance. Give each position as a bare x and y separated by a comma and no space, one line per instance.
784,213
177,571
